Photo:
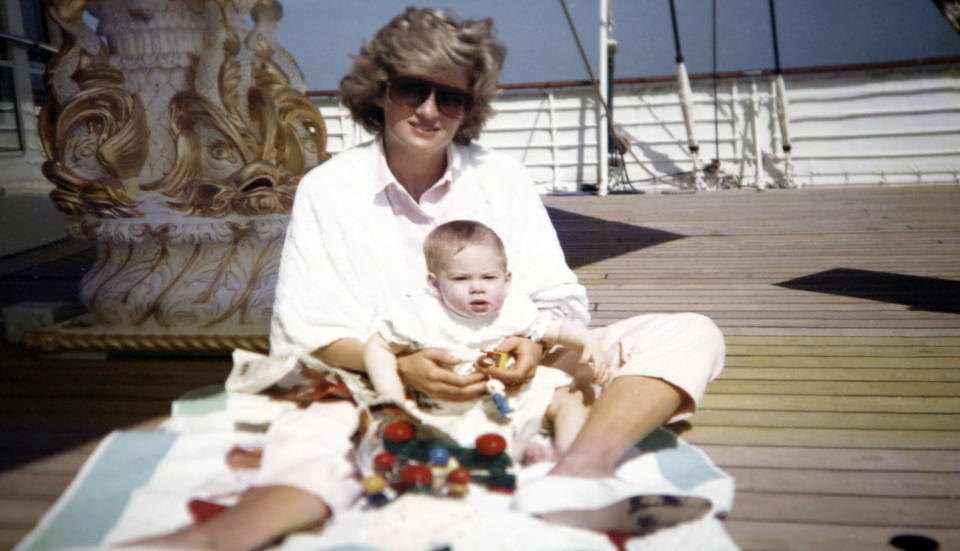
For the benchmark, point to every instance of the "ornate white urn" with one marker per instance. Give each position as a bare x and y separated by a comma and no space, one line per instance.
176,136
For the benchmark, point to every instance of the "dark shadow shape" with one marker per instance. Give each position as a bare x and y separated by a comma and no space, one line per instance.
661,163
914,542
679,427
919,293
55,404
53,280
586,239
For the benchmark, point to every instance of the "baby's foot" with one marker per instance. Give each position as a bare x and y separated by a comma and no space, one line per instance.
533,452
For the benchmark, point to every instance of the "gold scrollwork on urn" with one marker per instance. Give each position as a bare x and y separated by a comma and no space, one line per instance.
175,138
93,142
243,136
242,149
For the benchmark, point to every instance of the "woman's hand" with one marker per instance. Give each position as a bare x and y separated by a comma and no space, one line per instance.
527,353
427,370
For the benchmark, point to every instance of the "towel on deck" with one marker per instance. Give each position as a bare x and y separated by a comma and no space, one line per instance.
139,484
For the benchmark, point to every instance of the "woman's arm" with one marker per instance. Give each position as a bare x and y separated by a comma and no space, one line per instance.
320,299
426,369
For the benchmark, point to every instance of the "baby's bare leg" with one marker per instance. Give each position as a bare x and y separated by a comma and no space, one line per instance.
567,414
380,360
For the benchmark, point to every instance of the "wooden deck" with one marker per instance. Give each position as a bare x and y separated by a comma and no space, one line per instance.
839,410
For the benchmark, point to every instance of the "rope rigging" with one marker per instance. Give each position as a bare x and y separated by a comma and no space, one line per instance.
716,96
782,105
686,102
622,145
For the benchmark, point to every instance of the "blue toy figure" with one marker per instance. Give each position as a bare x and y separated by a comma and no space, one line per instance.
497,391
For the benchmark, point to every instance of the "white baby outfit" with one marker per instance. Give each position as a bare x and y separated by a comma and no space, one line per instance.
424,321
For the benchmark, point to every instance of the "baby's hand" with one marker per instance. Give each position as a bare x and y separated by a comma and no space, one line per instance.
593,357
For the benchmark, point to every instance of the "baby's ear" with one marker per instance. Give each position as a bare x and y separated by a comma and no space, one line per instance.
433,281
507,277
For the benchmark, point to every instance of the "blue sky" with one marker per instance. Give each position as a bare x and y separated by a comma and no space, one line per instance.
322,33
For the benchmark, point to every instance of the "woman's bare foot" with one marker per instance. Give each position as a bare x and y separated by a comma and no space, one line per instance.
568,465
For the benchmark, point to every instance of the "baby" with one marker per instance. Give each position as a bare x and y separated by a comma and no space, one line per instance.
467,309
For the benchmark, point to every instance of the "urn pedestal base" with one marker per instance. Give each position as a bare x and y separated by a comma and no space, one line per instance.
175,137
173,285
79,335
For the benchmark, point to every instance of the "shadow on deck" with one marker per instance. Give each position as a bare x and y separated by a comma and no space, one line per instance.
586,239
917,293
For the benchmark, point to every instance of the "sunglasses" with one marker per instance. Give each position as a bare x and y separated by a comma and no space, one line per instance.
412,92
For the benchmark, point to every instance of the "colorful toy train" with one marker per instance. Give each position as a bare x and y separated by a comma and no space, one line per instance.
409,464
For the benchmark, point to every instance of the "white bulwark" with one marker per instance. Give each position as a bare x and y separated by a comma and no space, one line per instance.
880,126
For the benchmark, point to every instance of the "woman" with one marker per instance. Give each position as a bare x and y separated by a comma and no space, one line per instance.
424,86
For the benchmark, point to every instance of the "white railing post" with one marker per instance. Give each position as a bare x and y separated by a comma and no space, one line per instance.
755,121
554,136
739,144
603,168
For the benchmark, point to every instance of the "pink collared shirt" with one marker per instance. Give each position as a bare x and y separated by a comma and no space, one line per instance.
353,249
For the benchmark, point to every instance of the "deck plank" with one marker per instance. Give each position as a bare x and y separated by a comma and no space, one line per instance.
822,508
846,482
833,404
806,419
810,536
946,440
843,458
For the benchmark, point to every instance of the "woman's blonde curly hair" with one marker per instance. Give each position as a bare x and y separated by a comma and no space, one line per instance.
425,42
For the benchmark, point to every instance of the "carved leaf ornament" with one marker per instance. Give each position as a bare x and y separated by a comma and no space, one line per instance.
176,138
243,136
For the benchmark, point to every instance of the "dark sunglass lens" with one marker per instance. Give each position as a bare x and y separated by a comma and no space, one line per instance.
451,102
412,92
409,92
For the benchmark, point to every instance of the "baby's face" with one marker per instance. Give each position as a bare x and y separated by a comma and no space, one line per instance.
473,282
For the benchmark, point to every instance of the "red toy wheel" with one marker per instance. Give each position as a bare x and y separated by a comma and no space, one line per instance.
460,475
491,444
416,476
398,431
384,461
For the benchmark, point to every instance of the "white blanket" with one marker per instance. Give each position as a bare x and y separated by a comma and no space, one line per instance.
168,469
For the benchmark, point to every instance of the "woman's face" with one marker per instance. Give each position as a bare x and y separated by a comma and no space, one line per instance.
422,129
